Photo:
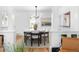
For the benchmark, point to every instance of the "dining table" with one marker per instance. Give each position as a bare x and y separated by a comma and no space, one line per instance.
36,34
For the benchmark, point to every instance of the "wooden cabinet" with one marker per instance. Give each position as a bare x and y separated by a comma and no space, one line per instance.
1,43
70,44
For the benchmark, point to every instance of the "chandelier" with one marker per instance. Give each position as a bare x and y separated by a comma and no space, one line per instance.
35,16
34,20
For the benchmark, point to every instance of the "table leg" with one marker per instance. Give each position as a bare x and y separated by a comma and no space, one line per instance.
44,39
39,41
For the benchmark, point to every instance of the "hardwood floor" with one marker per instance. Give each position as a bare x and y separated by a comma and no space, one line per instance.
36,49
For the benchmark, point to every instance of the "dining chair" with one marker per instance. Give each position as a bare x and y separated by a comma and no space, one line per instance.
27,36
45,36
35,36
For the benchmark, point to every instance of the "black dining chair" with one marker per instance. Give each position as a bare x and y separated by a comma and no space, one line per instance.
34,37
45,36
27,36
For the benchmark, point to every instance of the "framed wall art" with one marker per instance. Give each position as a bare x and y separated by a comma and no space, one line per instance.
46,21
66,20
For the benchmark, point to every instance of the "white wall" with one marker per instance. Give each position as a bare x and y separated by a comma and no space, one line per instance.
22,19
9,30
74,17
22,22
55,34
57,22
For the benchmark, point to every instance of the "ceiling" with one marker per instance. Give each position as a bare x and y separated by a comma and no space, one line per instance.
32,8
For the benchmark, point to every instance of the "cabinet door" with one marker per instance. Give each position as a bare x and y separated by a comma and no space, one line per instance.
1,41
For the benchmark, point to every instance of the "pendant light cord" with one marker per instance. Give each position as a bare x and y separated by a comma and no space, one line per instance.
36,11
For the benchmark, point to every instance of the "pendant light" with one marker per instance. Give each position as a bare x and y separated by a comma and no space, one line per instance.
36,16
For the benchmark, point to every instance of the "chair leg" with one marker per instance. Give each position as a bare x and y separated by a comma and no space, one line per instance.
31,42
47,39
38,42
44,41
26,42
